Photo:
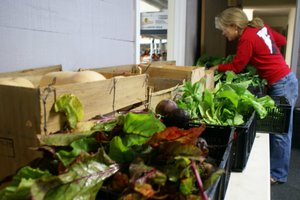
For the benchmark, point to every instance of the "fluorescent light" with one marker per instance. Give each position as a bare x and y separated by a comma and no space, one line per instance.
145,7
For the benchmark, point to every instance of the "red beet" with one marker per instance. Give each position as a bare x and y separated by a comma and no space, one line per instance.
164,107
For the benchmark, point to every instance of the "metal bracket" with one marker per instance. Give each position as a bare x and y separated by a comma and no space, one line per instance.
113,88
49,88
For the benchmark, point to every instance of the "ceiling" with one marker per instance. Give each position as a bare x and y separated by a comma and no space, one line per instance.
159,4
270,12
258,11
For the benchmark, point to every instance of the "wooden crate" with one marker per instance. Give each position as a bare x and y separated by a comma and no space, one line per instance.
159,63
32,72
120,69
166,86
26,112
172,72
156,97
164,81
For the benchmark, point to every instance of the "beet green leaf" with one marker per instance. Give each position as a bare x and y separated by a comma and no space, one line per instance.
21,183
120,153
71,106
139,128
63,139
83,180
86,144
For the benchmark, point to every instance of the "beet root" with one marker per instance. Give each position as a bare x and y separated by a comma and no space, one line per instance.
178,117
164,107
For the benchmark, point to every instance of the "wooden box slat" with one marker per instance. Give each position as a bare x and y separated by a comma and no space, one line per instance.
24,114
32,72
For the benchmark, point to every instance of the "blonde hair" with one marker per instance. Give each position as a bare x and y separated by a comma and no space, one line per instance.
236,16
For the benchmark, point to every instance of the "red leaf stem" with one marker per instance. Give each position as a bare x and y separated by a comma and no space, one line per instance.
149,174
199,181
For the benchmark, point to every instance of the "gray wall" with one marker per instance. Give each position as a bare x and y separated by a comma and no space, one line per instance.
76,34
192,33
214,42
298,76
296,54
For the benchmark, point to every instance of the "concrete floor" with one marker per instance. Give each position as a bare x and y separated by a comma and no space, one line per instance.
291,189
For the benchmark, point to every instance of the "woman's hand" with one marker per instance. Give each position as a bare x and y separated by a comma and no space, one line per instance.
214,68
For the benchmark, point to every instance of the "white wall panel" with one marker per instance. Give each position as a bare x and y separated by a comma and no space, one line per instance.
74,33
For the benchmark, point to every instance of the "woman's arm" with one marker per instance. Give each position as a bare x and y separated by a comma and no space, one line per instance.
214,68
241,59
280,40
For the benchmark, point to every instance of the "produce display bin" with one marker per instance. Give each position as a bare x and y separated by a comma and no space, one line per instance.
31,72
118,70
296,128
278,119
188,73
26,112
257,90
244,136
243,142
220,138
164,81
159,63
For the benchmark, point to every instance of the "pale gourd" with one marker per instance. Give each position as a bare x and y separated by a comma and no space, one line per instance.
18,81
63,78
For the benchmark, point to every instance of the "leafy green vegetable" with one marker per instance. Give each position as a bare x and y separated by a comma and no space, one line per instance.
119,152
248,73
21,183
71,106
83,180
62,139
139,128
228,104
86,144
154,160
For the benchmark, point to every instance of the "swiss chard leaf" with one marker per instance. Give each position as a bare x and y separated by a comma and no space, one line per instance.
83,180
213,178
120,153
63,139
184,151
71,106
171,134
86,144
21,183
139,128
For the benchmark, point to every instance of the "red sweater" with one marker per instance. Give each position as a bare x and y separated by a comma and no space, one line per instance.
260,48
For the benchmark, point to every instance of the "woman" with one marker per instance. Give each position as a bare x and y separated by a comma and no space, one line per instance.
258,44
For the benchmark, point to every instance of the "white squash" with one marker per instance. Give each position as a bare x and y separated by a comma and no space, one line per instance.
64,77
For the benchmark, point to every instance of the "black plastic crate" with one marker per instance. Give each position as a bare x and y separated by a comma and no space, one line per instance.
244,136
257,90
278,119
221,138
296,128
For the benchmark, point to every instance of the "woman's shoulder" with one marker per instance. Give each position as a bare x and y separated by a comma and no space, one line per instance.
249,32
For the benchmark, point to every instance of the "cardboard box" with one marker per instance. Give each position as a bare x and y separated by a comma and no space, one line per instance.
26,112
209,80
